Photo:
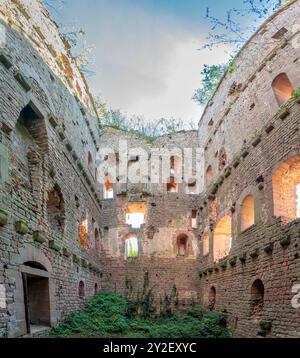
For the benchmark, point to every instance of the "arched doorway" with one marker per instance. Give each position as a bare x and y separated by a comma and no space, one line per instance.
182,245
257,298
35,279
81,290
212,298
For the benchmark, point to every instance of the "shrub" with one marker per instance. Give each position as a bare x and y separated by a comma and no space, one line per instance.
108,315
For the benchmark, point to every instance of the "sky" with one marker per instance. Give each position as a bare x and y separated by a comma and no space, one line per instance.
146,59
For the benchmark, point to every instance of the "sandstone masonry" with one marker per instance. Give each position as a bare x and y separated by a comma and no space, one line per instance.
64,236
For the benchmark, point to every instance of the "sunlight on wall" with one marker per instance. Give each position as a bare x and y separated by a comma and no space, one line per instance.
222,238
298,200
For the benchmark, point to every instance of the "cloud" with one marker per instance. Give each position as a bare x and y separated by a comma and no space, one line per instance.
146,62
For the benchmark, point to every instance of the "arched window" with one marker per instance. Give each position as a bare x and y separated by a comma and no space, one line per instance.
212,298
222,238
96,288
97,240
83,233
172,185
205,244
282,88
209,174
131,246
247,213
56,210
81,290
182,245
286,189
108,189
257,298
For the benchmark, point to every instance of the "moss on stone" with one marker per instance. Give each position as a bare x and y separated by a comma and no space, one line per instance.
21,227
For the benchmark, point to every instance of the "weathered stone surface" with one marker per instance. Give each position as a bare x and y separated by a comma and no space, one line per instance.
33,161
48,181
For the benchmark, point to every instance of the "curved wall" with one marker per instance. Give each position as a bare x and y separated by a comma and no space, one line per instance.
244,101
260,138
48,187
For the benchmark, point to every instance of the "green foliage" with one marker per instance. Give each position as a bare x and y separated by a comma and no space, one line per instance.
232,67
211,76
142,303
108,315
104,315
132,252
184,325
296,93
231,31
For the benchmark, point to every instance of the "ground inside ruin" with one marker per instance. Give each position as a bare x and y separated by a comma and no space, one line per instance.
109,315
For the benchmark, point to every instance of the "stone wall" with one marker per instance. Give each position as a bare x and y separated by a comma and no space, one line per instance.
167,217
244,101
47,184
59,225
268,250
249,137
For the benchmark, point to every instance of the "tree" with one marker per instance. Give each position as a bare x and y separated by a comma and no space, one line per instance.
211,76
238,25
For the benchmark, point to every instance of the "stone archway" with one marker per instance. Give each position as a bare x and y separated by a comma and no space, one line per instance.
35,268
184,244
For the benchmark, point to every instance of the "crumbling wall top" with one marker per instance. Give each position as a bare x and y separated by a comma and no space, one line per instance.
32,20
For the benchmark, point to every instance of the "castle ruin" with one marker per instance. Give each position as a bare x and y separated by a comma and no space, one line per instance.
233,246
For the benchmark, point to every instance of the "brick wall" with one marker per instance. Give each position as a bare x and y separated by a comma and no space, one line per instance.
167,217
250,257
53,153
56,153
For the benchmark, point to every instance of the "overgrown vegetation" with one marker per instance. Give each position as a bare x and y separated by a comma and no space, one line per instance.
149,130
211,76
108,315
296,93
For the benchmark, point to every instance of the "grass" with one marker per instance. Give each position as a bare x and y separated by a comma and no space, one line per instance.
107,316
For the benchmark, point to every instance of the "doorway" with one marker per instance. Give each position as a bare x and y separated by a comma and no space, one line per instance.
36,298
212,298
